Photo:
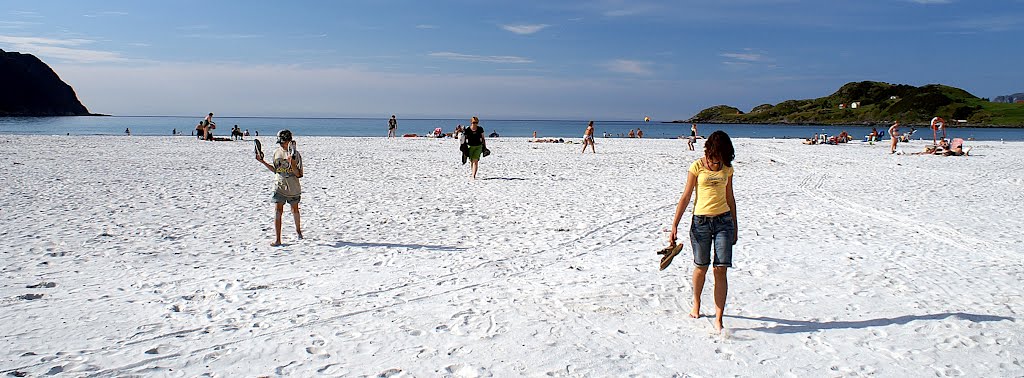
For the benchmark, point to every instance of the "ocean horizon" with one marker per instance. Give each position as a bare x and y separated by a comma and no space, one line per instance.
370,127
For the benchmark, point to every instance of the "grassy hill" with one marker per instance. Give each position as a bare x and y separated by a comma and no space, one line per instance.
879,103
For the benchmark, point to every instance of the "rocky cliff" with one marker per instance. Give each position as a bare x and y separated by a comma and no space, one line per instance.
1009,99
31,88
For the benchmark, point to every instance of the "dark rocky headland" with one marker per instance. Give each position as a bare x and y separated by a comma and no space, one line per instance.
31,88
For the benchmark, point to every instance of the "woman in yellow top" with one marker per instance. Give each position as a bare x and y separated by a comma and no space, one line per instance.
714,219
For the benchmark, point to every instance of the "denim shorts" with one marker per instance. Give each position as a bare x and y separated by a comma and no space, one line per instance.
278,198
707,229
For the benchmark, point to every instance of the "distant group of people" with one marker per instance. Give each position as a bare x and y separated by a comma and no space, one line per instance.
945,147
940,144
204,130
823,138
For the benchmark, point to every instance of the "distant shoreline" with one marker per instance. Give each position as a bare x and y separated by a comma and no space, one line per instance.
866,124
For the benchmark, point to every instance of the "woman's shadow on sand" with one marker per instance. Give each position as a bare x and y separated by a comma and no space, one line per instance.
786,326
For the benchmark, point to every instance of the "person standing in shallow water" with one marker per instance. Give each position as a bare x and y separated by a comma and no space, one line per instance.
287,168
476,142
588,137
714,220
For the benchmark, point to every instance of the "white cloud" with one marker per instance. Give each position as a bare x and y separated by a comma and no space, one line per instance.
223,36
426,26
43,41
63,49
481,58
106,13
634,67
746,57
992,24
26,14
932,1
193,27
629,11
16,24
525,29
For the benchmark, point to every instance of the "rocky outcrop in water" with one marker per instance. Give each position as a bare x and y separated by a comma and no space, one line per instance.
31,88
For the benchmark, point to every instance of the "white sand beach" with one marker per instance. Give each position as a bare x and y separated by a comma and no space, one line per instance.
130,256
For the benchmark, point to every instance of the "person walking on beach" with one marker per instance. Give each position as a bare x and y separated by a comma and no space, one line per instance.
287,168
894,133
392,126
714,219
639,133
127,131
476,142
693,136
588,138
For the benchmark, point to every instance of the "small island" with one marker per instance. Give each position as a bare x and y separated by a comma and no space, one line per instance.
876,103
32,89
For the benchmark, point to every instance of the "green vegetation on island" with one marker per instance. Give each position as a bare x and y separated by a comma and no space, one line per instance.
872,103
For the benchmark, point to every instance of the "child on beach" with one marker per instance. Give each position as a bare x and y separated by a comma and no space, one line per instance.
714,219
287,167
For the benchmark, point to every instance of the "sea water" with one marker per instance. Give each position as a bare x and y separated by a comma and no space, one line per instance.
368,127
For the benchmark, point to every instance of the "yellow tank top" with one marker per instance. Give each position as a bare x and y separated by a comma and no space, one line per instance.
711,196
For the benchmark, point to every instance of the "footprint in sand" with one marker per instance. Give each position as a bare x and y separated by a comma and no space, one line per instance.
389,373
724,354
462,371
159,349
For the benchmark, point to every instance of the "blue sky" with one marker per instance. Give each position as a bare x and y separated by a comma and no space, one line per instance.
506,59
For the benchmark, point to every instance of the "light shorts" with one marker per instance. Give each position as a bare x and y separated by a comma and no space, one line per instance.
278,198
588,138
708,230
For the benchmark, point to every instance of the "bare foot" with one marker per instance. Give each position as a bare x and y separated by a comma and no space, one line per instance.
718,325
300,234
695,313
276,244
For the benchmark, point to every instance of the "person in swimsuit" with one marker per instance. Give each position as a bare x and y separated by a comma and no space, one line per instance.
287,168
588,138
714,219
693,136
894,133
